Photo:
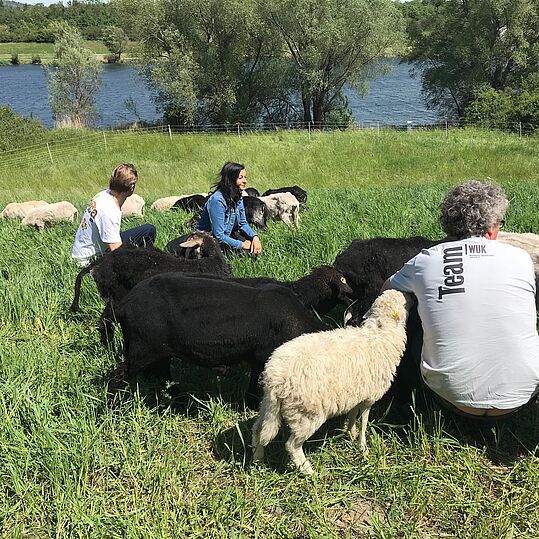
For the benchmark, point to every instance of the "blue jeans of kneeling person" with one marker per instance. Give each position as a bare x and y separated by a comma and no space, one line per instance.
139,236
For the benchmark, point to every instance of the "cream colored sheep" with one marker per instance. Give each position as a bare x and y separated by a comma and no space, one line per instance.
283,207
525,240
19,210
133,206
320,375
166,203
50,214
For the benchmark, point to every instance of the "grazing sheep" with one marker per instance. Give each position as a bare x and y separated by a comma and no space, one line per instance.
50,214
298,192
117,272
321,290
19,210
367,264
256,211
164,204
190,203
322,375
133,206
283,207
525,240
213,323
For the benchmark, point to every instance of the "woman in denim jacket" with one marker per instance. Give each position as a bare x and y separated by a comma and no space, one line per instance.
224,215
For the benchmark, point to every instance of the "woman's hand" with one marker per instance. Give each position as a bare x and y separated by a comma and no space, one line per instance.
256,246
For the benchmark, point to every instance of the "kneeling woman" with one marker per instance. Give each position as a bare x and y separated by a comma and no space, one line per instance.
224,215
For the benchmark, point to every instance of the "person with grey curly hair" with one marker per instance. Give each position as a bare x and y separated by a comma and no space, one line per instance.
476,301
471,209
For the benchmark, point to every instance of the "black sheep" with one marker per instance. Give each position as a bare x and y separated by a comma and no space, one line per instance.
117,272
190,203
256,211
213,323
367,264
297,191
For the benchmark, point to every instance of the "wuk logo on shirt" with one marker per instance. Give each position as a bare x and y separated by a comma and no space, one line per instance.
475,249
454,271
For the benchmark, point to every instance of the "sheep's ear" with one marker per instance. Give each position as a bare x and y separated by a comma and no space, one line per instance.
190,243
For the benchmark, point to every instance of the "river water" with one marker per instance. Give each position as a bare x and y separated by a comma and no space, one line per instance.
394,99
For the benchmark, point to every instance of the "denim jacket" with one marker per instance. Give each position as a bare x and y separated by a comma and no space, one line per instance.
220,220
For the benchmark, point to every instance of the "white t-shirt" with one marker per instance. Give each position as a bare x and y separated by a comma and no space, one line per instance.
476,301
100,226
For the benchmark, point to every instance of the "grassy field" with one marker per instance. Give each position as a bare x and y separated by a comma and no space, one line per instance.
44,50
176,464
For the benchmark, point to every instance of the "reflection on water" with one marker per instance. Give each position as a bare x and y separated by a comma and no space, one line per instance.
392,99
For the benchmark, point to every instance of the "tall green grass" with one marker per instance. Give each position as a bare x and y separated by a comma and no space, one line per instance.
176,463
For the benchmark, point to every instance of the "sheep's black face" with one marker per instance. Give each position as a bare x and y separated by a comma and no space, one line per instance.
341,287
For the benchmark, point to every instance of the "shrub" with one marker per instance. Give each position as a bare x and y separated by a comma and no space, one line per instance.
16,131
15,59
36,59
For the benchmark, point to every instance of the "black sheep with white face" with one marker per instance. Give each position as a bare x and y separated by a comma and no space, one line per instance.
256,211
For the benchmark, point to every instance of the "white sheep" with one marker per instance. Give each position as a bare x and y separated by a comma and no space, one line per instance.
19,210
283,207
50,214
134,206
321,375
525,240
166,203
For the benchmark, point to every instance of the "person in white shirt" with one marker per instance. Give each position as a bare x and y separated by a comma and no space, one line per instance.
476,302
99,230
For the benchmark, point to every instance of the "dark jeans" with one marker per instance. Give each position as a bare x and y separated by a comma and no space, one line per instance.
140,236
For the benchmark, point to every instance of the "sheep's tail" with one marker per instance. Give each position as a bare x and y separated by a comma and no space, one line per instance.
78,281
269,420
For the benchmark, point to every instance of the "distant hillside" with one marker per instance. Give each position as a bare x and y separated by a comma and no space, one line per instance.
9,3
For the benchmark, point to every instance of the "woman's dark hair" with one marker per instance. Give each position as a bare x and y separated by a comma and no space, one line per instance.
227,184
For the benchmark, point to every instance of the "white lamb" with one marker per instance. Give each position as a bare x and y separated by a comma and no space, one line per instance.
133,205
19,210
50,214
320,375
525,240
283,207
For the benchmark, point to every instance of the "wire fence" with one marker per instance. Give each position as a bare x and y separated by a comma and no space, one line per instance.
53,151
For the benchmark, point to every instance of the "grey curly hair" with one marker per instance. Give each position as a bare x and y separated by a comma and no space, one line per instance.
471,208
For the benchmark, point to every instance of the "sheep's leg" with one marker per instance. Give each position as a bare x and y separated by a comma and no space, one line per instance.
351,421
294,446
258,453
365,409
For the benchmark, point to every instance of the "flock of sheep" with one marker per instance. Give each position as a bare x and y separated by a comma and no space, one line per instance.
189,305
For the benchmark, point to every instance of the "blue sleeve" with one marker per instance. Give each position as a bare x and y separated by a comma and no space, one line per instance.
216,207
242,221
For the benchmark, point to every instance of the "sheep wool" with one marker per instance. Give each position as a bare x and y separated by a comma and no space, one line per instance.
133,205
50,214
322,375
19,210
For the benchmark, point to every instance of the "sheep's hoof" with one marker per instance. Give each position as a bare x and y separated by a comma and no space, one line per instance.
258,454
306,468
364,449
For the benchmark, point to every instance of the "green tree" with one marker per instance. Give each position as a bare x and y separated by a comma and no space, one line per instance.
74,79
333,43
115,39
462,45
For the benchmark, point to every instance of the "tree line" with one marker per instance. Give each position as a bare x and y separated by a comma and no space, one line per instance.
229,61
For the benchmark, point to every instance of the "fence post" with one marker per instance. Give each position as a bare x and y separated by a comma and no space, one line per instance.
239,129
519,129
105,140
169,132
446,128
309,127
50,154
378,128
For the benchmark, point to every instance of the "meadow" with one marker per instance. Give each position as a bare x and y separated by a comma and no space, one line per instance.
176,462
